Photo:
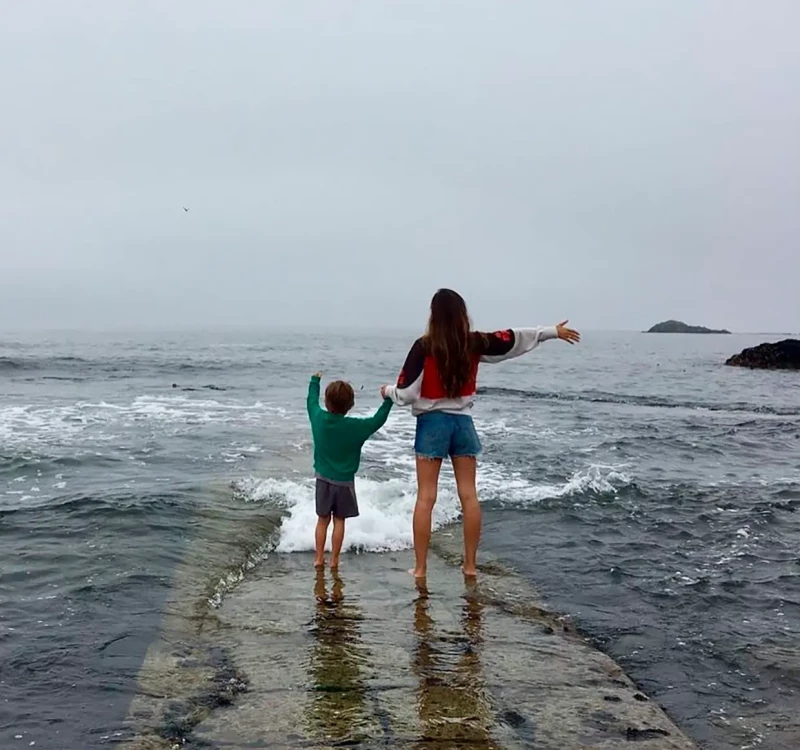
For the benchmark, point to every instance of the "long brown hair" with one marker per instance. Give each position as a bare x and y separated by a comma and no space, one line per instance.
449,339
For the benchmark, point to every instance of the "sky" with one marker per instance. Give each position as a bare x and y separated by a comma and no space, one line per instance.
615,162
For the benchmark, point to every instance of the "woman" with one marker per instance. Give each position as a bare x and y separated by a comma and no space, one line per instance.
439,380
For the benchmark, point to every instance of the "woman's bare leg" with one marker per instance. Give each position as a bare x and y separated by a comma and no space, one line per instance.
427,484
320,535
464,468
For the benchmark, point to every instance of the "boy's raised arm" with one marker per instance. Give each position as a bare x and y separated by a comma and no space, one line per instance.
378,419
312,401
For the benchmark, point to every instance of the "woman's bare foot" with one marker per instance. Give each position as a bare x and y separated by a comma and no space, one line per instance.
334,563
418,574
319,563
469,572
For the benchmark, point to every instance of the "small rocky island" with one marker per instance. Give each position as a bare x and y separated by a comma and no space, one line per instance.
678,326
783,355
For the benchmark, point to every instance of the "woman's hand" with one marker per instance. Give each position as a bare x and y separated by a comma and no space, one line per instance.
567,334
317,375
383,391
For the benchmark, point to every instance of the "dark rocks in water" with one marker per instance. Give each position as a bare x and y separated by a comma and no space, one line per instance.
783,355
678,326
182,716
633,734
205,387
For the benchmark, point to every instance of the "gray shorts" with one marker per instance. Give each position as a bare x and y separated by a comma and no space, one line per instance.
337,498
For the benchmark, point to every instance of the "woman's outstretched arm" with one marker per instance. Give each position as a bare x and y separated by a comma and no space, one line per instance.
514,342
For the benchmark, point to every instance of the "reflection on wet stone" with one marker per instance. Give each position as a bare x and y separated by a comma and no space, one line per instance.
452,702
337,709
369,662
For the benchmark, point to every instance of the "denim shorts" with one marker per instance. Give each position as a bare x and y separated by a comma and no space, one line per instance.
440,435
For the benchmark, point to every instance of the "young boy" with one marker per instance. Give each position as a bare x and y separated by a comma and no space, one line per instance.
337,454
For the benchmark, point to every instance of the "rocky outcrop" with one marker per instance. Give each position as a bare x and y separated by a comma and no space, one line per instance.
783,355
678,326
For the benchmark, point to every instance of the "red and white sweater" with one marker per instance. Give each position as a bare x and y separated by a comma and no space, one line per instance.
420,386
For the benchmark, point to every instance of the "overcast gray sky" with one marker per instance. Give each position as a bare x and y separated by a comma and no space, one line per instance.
616,162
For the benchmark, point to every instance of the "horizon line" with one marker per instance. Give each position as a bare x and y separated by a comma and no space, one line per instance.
274,328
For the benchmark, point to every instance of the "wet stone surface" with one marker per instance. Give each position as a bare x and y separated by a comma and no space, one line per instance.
365,658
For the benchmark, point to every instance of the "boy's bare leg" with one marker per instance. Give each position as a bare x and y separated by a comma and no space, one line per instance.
427,484
320,535
337,538
464,469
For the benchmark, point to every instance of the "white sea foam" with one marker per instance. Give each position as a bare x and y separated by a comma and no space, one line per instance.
393,450
503,488
234,577
385,507
64,423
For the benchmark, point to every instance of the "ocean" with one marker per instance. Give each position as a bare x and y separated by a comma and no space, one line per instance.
646,492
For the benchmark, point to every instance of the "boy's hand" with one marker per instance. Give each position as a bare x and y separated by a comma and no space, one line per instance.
567,334
383,391
317,375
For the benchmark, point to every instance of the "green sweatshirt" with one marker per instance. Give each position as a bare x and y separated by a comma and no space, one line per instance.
338,438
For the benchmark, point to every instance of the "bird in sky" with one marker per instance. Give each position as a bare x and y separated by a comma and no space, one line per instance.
185,209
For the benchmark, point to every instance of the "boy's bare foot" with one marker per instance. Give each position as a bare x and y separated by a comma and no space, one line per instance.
418,573
334,563
469,572
319,563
